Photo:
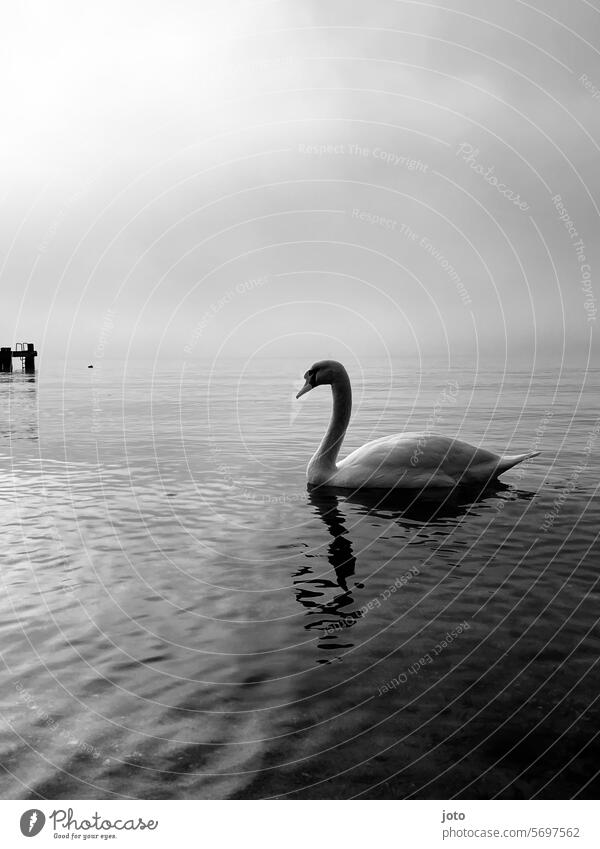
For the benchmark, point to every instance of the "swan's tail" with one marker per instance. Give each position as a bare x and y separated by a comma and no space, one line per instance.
506,463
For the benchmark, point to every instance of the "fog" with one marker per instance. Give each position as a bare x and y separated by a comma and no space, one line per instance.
282,179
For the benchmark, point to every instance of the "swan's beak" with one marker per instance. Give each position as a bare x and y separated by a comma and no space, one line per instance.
306,388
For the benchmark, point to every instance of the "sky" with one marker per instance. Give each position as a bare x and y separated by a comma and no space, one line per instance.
315,179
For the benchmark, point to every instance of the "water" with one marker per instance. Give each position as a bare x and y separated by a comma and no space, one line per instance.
181,619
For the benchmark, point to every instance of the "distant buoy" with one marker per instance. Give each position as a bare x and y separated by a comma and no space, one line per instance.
90,366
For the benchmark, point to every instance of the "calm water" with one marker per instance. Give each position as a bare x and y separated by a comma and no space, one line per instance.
180,619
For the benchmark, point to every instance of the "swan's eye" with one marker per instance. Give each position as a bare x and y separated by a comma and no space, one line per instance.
312,378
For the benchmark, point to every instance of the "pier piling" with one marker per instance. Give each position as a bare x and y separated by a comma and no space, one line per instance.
30,359
5,360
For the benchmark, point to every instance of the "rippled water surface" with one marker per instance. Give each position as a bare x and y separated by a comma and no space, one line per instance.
180,618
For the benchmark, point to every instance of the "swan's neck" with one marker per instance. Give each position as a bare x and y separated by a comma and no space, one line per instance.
328,450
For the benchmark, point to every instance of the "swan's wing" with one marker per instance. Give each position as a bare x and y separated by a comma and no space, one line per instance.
415,459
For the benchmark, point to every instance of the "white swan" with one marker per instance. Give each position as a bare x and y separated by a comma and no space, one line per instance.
404,460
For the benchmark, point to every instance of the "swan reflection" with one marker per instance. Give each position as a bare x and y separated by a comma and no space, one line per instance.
330,595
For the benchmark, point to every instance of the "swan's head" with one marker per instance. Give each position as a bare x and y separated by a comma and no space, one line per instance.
323,373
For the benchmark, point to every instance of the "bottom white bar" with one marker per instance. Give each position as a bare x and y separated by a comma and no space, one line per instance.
296,824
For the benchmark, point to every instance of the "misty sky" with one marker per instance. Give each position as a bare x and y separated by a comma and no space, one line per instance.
311,178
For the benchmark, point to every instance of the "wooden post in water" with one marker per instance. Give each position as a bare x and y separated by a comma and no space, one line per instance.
5,360
30,359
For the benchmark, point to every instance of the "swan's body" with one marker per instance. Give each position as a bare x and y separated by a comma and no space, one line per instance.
402,461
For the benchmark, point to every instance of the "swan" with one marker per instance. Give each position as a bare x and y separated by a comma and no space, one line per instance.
401,461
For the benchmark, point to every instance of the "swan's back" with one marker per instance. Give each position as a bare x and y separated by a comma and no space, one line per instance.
413,459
